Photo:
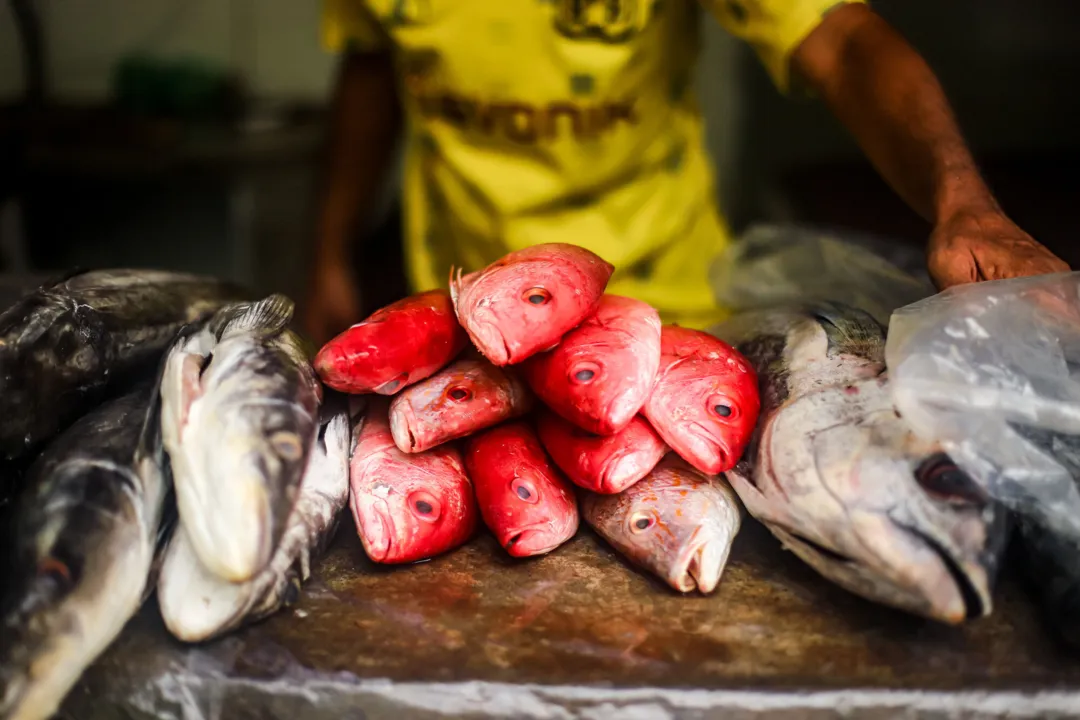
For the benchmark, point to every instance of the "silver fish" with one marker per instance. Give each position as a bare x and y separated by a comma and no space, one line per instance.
239,413
86,533
836,474
198,605
678,523
64,345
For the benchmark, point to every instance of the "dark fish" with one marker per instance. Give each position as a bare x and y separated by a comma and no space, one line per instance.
837,475
86,532
62,345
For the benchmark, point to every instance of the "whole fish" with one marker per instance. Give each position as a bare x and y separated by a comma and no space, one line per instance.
64,345
842,481
468,395
525,501
239,412
677,523
527,300
407,507
395,347
601,373
86,532
604,464
705,402
197,605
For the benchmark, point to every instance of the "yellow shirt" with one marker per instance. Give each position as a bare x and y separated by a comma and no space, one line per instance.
533,121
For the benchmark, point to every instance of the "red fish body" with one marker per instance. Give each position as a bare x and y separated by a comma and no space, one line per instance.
705,402
407,507
465,397
601,373
395,347
525,501
601,463
526,301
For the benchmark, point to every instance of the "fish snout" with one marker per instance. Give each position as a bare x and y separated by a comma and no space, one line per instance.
704,562
330,363
490,340
403,426
375,528
621,472
527,542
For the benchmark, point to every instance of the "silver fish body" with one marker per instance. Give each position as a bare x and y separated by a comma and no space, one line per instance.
64,345
836,474
86,532
239,413
198,605
677,522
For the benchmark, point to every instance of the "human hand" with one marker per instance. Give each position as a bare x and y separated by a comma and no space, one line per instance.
333,303
972,246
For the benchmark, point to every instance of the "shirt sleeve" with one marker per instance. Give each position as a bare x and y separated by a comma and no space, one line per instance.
774,28
350,24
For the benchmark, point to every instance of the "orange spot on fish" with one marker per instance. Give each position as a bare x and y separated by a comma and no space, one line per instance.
683,492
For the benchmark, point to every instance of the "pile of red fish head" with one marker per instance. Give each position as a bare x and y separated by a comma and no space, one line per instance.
467,396
605,464
524,500
395,347
705,402
407,507
601,373
525,302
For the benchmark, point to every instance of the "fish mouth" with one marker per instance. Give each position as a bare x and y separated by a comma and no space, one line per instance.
490,341
701,566
234,545
712,456
376,530
532,540
620,473
976,600
402,427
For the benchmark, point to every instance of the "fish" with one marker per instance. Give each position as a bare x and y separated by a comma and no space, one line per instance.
841,480
677,523
407,506
602,372
86,533
705,402
604,464
67,345
524,500
198,605
240,406
467,396
396,346
524,302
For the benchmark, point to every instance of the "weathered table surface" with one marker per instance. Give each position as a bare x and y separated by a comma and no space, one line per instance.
581,634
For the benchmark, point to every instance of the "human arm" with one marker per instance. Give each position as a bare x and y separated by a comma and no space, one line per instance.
879,87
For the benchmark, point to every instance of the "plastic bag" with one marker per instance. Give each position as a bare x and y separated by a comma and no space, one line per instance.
992,370
779,264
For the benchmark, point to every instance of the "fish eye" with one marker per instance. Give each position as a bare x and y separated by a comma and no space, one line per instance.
525,490
584,373
424,506
56,572
458,393
287,445
536,296
941,478
722,407
641,521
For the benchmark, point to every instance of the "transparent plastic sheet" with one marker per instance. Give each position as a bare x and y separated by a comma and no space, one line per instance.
992,370
779,264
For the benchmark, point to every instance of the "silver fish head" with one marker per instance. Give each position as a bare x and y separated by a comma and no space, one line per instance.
79,566
677,523
841,479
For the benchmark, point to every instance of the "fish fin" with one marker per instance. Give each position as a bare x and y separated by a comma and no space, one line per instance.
850,330
265,317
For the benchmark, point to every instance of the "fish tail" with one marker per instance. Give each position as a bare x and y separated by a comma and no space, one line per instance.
268,316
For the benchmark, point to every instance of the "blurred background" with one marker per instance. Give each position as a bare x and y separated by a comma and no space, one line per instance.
186,133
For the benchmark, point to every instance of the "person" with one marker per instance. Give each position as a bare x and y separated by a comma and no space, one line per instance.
533,121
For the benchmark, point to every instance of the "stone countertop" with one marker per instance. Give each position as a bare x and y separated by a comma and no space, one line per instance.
581,634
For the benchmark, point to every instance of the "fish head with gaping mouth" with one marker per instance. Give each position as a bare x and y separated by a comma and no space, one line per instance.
705,402
677,523
527,300
466,396
602,372
841,479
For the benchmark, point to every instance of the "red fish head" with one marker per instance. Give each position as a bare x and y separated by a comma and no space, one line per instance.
526,301
415,511
602,372
705,403
469,395
528,505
